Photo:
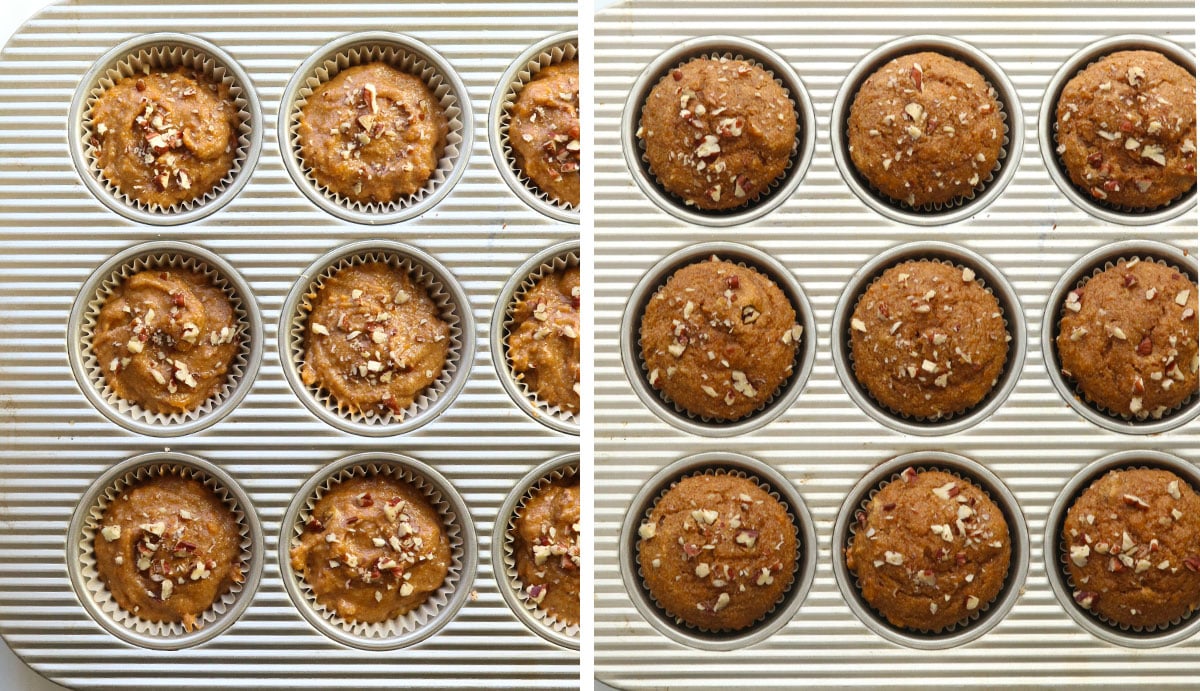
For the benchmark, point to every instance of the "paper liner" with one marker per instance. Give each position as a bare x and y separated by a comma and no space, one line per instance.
554,265
94,369
511,578
91,576
941,418
437,600
442,299
155,58
563,52
404,59
797,565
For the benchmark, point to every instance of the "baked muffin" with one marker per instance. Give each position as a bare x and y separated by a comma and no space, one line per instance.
719,339
1132,543
166,340
373,549
373,339
927,340
1126,129
546,549
929,550
372,134
544,131
718,132
718,552
1127,339
543,342
925,129
167,549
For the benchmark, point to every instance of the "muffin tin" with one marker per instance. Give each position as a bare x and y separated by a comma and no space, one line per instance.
825,443
54,233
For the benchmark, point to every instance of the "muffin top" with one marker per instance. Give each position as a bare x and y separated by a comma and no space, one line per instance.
1127,129
1132,543
718,132
546,549
927,340
544,131
925,129
543,343
718,551
719,339
929,550
1127,339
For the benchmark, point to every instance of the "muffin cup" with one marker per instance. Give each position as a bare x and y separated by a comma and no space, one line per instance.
557,258
408,55
736,48
1048,130
778,486
550,51
158,52
443,288
441,607
1076,276
504,564
89,372
988,189
1055,550
989,277
635,366
94,594
989,614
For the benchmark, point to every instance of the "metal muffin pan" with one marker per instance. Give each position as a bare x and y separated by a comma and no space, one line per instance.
53,235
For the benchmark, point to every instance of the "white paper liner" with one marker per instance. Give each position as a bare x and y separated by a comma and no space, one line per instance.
94,369
91,528
404,60
796,566
158,58
570,260
437,600
941,419
511,578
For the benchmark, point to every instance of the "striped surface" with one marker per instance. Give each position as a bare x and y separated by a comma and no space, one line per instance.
53,444
825,443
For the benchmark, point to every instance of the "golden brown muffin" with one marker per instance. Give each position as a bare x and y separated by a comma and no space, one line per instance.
373,339
718,132
372,134
927,340
1132,543
166,340
929,550
544,131
925,129
718,552
1127,339
546,548
373,549
1127,129
719,339
543,344
167,549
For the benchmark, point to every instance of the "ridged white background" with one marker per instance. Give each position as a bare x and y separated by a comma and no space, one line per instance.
824,443
53,234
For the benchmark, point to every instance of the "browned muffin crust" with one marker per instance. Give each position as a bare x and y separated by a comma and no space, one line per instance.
1127,129
719,339
544,131
1132,543
929,550
167,549
927,340
1128,339
372,134
373,549
925,129
718,551
543,344
718,132
546,549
